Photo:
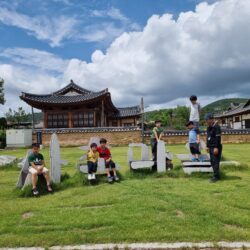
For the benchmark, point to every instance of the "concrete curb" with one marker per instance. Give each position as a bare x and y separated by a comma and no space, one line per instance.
157,246
146,246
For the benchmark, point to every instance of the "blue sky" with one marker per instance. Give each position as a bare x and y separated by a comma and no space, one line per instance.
88,18
163,50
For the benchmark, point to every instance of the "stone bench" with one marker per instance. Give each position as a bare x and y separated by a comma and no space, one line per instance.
144,161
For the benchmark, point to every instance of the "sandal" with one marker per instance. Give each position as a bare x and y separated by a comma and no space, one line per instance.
49,188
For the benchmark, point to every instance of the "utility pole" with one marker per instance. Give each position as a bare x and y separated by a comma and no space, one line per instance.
142,120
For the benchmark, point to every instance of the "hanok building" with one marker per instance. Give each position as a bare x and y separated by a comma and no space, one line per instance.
236,118
76,107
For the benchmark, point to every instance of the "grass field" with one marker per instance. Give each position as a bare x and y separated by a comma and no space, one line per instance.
143,207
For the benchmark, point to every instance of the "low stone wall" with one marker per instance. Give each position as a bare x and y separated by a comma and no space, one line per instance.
81,137
124,136
182,139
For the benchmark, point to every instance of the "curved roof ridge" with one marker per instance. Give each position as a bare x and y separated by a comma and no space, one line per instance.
77,88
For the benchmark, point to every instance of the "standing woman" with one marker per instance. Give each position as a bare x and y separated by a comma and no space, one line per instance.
156,135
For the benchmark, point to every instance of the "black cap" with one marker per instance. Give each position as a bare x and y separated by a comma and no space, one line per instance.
209,116
157,121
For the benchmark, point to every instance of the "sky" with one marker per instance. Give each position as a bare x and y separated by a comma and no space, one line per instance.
162,50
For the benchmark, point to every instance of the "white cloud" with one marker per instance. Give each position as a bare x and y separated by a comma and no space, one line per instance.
35,58
101,33
112,13
205,52
107,31
18,79
51,29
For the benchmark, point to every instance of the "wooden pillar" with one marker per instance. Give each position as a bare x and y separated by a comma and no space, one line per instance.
45,119
102,115
70,119
142,120
94,123
33,119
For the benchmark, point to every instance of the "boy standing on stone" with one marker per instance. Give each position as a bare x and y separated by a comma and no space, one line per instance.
156,135
214,146
193,141
195,110
37,167
105,153
92,159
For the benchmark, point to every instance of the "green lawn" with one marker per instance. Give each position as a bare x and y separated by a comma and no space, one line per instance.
143,207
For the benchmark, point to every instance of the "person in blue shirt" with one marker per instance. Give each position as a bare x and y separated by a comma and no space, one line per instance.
193,141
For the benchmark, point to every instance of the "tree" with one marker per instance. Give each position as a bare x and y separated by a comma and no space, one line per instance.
2,100
3,123
18,116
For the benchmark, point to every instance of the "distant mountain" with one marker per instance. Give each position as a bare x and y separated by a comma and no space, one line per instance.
223,105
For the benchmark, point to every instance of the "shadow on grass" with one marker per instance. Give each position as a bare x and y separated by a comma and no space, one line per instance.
100,179
176,172
66,182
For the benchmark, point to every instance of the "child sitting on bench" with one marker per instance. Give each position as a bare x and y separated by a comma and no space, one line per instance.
104,152
37,167
92,159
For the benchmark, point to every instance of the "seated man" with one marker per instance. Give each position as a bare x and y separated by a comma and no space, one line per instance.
37,167
104,152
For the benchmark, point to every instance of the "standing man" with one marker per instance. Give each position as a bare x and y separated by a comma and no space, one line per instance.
214,146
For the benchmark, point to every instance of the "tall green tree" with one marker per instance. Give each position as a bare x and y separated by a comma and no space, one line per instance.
2,100
17,116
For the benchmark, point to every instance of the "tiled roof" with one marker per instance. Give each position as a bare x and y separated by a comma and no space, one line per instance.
127,112
241,109
61,99
74,94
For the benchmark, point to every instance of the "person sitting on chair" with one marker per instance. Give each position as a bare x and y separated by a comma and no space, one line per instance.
37,167
104,152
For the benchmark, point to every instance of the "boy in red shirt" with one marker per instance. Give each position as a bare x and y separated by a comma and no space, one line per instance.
104,152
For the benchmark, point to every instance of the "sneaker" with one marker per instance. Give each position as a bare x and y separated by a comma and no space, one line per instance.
89,177
193,159
213,179
116,178
110,179
93,177
35,192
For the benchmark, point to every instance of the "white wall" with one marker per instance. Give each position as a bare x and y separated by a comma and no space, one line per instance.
19,137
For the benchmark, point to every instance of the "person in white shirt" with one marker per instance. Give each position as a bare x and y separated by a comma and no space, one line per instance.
195,110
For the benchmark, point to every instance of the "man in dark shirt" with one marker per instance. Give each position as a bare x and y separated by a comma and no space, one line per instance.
214,146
